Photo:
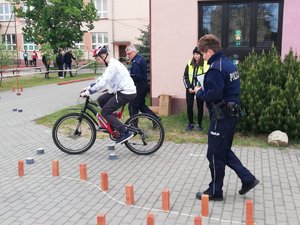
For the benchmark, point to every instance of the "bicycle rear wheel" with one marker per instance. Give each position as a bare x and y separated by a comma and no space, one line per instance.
148,134
74,133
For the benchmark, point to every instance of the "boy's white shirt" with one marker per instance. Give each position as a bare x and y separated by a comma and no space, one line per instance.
115,78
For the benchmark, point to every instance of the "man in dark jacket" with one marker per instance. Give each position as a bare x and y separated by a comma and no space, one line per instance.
138,73
60,63
46,62
68,56
222,95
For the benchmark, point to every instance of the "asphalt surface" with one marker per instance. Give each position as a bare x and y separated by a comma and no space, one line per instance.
39,198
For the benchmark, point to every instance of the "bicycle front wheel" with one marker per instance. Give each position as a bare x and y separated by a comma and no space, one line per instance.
148,134
74,133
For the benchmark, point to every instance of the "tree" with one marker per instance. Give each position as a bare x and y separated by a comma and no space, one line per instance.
144,47
7,57
61,23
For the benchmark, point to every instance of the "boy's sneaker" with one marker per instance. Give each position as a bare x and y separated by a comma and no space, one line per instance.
124,137
190,127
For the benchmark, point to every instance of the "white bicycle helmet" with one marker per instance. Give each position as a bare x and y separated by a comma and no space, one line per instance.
100,50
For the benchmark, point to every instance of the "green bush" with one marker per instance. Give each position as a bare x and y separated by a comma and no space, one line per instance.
270,93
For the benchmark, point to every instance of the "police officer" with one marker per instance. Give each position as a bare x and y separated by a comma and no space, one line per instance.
138,73
221,92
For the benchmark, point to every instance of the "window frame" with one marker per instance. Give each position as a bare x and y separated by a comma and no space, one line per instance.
104,35
12,46
7,16
242,50
29,44
101,10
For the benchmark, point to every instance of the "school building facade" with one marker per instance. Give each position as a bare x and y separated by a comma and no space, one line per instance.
119,23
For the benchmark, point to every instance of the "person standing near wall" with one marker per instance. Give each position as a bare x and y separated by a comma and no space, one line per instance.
30,59
34,58
196,66
68,56
46,62
138,72
25,57
222,96
60,63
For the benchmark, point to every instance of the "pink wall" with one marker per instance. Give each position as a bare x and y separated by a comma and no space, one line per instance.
174,32
291,26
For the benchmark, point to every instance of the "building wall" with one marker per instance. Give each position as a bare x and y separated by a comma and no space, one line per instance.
125,19
174,34
291,28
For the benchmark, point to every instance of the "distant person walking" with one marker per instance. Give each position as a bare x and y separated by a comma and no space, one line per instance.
68,56
34,58
46,62
138,73
60,63
25,57
30,55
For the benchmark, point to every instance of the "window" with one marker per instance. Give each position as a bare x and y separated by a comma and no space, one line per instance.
28,45
242,25
9,41
6,12
212,20
267,24
239,25
99,39
79,45
101,6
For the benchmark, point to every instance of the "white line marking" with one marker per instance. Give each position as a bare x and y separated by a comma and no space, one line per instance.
197,155
123,203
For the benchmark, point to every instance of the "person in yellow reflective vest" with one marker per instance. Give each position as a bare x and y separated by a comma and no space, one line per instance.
196,66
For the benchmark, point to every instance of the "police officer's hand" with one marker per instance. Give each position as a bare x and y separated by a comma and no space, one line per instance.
196,89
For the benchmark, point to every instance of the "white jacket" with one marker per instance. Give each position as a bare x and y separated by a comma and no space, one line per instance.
115,78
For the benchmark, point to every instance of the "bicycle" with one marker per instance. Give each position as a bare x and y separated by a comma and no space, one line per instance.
75,132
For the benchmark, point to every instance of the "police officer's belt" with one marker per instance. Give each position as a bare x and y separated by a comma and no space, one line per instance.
222,109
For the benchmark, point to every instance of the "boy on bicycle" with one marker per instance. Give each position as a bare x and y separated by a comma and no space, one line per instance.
121,90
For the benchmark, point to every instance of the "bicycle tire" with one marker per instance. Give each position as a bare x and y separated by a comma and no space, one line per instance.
74,137
148,136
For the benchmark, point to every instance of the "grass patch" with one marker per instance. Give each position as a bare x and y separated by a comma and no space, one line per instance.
38,80
174,126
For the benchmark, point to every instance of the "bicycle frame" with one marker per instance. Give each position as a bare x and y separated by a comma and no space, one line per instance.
75,132
102,123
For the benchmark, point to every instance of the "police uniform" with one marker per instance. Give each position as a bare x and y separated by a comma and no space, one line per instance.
222,95
138,73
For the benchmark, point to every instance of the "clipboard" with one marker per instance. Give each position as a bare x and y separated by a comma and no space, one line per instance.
200,79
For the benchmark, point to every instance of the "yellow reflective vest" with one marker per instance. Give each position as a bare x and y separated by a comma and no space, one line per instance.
200,70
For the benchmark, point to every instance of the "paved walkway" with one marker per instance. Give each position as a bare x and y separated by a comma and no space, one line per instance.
39,198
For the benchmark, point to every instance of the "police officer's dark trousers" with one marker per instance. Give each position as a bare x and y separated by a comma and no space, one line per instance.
219,154
139,104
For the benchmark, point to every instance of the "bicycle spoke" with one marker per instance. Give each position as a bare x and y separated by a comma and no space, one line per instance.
149,134
72,135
